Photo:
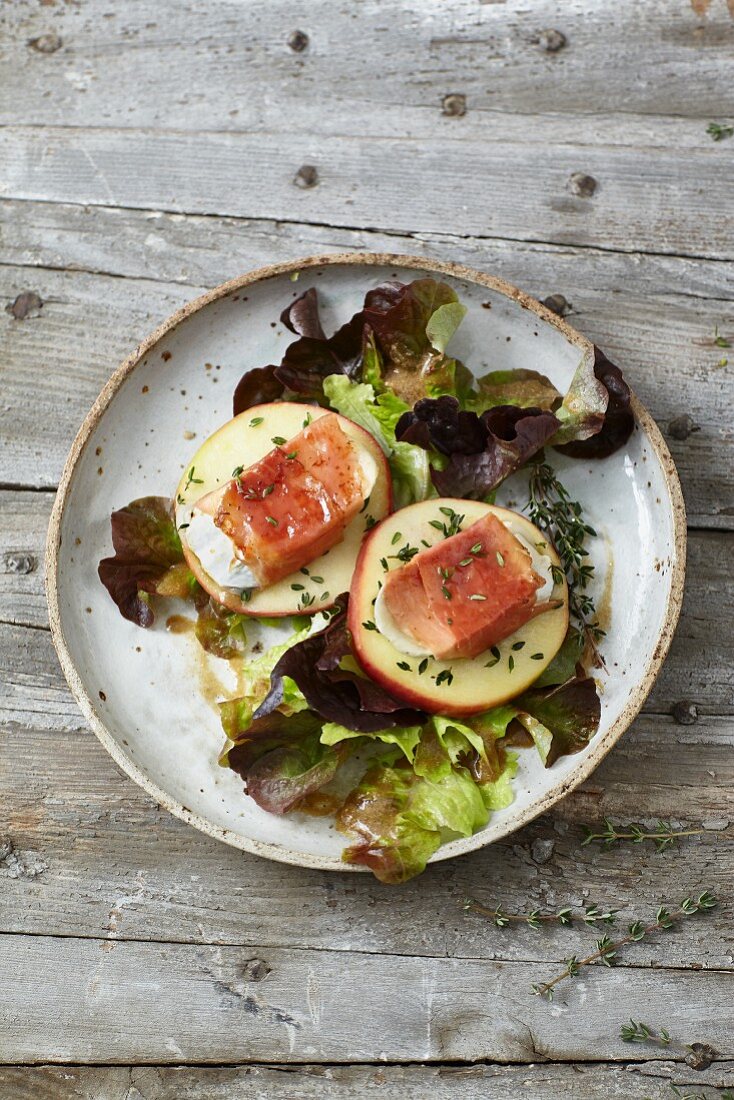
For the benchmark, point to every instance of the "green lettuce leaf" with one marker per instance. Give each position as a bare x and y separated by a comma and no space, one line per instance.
379,414
520,387
406,738
581,413
498,793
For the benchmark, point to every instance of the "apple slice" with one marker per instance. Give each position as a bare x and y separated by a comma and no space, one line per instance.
458,686
240,443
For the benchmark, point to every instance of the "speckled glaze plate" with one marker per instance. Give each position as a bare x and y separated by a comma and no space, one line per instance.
149,695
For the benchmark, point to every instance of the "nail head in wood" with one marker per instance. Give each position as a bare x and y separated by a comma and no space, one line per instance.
19,562
551,40
685,712
453,105
298,41
27,304
45,43
255,970
682,426
306,176
556,303
582,185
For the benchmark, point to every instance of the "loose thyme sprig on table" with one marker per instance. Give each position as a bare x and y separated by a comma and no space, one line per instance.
664,835
561,520
607,949
635,1032
591,915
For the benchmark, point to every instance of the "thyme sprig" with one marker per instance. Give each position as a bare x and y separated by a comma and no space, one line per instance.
551,509
607,949
636,1032
535,919
717,131
664,836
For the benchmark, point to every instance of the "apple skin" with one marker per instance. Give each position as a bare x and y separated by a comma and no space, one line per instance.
475,688
282,418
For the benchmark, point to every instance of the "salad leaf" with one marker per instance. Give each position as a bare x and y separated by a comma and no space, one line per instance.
379,414
443,323
563,719
221,632
525,388
307,361
281,778
335,692
148,559
498,793
563,665
482,450
406,738
581,412
258,386
280,757
413,323
618,421
452,802
393,846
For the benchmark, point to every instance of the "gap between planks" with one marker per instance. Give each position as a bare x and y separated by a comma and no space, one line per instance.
415,235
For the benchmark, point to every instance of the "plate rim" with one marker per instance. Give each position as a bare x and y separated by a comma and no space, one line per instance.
598,748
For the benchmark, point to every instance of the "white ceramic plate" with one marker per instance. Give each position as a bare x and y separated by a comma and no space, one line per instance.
148,694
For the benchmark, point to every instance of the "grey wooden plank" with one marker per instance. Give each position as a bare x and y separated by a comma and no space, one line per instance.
23,521
700,665
363,180
89,854
205,250
657,316
200,1003
637,1081
378,63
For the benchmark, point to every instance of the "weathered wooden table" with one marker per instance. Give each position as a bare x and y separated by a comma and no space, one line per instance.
151,150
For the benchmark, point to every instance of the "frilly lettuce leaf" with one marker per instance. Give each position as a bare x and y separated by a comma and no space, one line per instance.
563,665
405,738
524,388
400,815
443,323
280,779
221,632
148,559
481,450
378,414
335,692
581,413
561,720
617,419
413,323
393,846
307,361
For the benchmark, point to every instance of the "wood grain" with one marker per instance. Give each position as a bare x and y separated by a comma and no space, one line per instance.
586,1081
641,201
378,66
199,1003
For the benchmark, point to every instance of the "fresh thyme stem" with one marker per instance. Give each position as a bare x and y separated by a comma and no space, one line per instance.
607,949
591,915
664,836
561,520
